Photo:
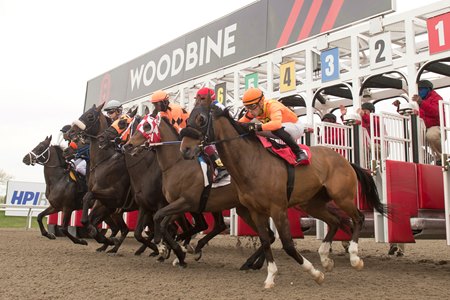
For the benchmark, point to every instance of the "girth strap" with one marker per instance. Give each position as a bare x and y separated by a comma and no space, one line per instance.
290,181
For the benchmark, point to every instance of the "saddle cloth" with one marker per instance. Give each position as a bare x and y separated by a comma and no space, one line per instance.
285,152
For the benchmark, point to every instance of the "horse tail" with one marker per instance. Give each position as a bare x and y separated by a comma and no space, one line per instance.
369,190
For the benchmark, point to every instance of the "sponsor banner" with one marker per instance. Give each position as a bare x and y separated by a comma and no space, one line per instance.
24,194
251,31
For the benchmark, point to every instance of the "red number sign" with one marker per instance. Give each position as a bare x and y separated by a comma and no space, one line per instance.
439,33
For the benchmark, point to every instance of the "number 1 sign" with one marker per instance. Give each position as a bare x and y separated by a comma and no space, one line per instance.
439,33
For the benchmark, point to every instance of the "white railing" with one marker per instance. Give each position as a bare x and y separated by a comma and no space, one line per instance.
28,208
444,115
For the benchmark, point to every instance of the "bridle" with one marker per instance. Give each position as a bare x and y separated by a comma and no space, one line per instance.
206,130
34,158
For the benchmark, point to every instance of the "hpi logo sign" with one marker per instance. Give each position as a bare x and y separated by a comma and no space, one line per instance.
23,195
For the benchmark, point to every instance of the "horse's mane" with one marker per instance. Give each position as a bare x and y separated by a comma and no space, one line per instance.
219,112
166,120
59,153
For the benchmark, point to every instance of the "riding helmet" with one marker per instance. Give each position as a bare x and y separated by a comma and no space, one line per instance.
369,106
425,84
252,96
112,104
203,92
159,96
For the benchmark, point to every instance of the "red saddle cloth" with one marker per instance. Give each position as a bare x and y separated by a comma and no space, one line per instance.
285,152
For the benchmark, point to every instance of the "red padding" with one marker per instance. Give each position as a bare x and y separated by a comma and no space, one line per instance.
431,187
294,216
52,219
402,190
131,219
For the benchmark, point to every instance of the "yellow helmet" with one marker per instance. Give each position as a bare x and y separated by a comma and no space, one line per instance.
252,96
159,96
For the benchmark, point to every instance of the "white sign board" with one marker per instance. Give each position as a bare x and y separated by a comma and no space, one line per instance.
23,195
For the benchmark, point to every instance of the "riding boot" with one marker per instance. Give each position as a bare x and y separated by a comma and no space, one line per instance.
221,171
300,155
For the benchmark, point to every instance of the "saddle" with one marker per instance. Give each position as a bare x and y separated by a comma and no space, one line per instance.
283,151
210,172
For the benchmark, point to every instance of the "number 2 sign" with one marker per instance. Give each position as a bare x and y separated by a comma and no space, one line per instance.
439,33
380,51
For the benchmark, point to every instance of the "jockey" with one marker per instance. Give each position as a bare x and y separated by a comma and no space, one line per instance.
81,156
275,118
172,111
210,150
113,109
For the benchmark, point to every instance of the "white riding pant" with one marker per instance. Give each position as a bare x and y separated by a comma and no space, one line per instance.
295,130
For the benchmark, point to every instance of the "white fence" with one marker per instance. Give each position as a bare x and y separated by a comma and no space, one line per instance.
29,209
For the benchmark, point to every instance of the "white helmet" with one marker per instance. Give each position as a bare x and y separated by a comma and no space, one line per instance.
112,104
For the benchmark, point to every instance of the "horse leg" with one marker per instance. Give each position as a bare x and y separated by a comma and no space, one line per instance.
87,199
67,214
219,226
199,225
162,219
281,221
143,218
113,227
323,213
118,218
97,215
48,211
256,260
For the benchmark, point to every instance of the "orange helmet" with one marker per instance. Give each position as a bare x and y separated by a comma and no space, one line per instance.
252,96
159,96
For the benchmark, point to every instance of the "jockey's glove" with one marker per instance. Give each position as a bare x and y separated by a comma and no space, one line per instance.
252,126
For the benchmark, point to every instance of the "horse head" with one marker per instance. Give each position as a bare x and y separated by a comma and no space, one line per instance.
40,154
88,123
147,131
199,131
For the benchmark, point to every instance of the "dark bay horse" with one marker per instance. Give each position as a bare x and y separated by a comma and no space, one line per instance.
61,192
183,182
262,185
108,181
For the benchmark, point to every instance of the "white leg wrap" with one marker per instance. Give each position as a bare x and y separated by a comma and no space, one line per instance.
309,268
355,261
271,272
324,252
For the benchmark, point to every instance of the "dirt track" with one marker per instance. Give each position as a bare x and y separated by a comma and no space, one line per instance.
33,267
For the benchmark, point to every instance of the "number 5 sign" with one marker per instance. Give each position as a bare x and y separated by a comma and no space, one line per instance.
439,33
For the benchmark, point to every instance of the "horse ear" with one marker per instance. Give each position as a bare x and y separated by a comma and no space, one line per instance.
48,138
133,111
100,107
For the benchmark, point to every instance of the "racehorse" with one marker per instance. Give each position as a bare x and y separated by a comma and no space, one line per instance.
262,185
107,181
146,182
184,183
61,192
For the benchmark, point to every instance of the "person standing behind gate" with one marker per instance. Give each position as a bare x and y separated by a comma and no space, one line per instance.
428,101
275,117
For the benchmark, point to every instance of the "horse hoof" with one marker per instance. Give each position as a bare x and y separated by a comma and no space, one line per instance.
160,259
329,266
51,236
269,285
83,242
198,255
112,251
244,267
359,265
175,262
319,278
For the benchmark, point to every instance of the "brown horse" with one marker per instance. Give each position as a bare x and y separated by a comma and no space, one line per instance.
184,184
61,192
108,181
262,185
146,182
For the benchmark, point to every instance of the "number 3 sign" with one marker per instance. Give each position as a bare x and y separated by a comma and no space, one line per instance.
439,33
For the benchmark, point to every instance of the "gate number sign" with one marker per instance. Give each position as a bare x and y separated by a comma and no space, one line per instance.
287,77
380,50
329,64
439,33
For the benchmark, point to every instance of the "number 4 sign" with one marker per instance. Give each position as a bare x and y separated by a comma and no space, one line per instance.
439,33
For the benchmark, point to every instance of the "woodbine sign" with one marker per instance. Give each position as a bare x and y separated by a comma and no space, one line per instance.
261,27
